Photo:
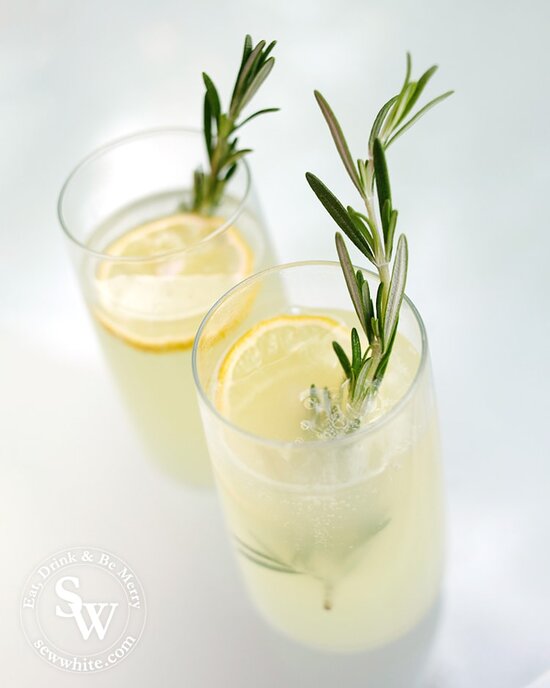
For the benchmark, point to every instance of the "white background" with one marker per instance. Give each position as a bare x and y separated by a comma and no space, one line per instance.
471,185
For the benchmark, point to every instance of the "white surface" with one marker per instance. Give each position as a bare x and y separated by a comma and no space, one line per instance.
471,187
541,682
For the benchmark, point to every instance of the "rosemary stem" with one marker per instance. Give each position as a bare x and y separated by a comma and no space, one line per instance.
384,272
370,210
327,602
359,402
217,155
381,262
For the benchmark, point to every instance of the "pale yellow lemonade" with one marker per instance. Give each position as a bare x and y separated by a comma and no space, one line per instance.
340,540
148,296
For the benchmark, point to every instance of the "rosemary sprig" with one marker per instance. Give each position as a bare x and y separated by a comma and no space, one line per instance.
372,231
220,127
346,556
264,560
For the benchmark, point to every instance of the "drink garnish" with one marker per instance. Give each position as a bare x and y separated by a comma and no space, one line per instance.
220,127
372,231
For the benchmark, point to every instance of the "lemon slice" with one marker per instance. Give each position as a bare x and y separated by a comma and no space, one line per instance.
264,377
157,304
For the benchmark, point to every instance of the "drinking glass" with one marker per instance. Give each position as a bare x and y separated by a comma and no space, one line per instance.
339,539
149,270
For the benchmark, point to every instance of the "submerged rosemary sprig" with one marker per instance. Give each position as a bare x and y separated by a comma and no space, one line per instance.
220,127
336,563
372,231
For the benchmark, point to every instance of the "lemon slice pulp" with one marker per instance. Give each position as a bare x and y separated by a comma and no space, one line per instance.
263,378
157,303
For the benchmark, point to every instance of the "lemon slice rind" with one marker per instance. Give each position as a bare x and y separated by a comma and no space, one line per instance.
246,344
160,308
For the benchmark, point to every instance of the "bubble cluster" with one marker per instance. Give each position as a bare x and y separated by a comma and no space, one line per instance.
330,417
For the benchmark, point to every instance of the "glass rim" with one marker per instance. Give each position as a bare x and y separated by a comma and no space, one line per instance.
121,141
369,428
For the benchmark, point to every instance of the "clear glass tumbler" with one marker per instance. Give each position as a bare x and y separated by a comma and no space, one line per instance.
340,540
150,268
